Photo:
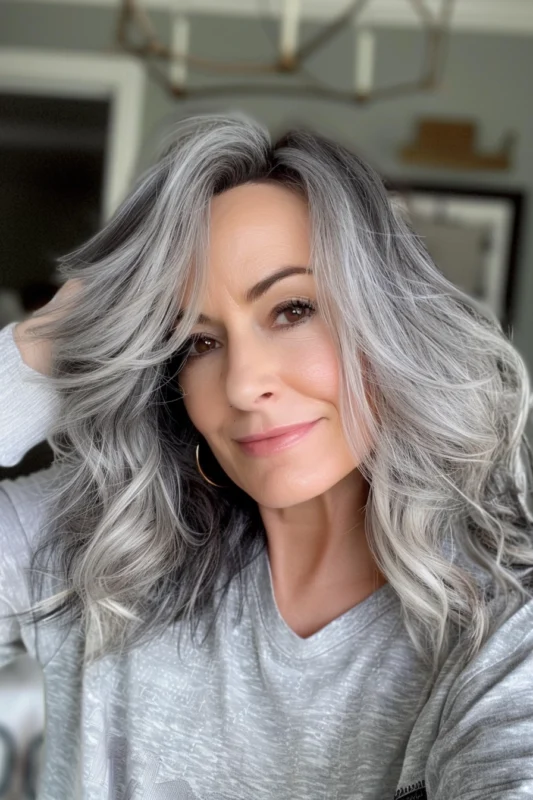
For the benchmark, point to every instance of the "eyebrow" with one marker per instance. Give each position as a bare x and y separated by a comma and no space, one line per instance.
258,289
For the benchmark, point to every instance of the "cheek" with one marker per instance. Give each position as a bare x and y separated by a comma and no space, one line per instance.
198,405
193,408
311,367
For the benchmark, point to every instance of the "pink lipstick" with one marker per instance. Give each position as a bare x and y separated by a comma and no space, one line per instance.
274,444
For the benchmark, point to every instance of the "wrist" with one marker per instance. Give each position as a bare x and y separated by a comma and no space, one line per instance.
26,345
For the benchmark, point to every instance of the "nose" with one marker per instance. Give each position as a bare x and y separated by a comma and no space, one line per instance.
252,370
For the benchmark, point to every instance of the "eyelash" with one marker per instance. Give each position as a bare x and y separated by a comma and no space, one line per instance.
295,302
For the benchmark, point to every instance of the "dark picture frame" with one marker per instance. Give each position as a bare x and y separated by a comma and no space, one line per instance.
472,233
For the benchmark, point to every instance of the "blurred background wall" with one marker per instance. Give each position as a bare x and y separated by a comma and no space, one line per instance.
62,172
486,79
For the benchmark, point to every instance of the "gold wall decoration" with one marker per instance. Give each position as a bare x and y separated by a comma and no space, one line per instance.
452,144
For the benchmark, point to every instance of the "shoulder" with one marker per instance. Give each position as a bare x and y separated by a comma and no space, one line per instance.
485,737
511,638
508,650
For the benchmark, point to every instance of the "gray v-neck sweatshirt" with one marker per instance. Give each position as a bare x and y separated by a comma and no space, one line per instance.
257,712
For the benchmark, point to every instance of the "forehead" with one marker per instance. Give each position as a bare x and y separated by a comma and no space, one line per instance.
247,214
262,194
255,229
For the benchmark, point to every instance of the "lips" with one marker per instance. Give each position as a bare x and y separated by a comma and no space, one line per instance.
274,444
274,432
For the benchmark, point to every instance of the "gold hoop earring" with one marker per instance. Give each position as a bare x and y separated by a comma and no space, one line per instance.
204,476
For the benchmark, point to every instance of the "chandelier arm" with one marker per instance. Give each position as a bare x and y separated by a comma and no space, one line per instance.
157,49
446,14
423,12
122,21
158,76
202,64
142,17
332,95
315,42
438,37
301,67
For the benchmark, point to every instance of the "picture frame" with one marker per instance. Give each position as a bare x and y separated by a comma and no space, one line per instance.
472,233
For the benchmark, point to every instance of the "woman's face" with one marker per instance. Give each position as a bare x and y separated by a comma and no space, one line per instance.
269,360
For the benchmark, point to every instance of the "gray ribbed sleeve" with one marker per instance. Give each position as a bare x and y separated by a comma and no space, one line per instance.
28,406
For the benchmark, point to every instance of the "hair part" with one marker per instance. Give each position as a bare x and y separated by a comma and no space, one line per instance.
136,537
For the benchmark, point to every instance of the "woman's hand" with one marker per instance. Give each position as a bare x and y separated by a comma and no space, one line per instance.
37,353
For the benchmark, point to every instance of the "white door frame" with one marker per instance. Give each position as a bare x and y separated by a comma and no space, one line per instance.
120,78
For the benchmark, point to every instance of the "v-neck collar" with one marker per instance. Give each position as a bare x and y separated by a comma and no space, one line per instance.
267,614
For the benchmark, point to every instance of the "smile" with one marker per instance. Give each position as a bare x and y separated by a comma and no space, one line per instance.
266,447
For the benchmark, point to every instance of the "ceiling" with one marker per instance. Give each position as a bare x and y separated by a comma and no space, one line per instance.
483,16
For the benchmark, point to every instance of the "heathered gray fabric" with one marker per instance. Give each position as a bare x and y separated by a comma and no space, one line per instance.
258,713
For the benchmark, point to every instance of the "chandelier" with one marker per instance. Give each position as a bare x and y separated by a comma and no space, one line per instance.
291,59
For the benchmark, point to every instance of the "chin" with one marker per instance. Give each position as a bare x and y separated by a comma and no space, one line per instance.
287,495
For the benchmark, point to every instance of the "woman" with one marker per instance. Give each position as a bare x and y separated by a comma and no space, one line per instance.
362,583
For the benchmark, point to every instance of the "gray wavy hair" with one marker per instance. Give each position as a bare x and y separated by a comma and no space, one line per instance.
139,541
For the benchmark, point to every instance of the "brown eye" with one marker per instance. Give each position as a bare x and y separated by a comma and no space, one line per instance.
296,311
203,341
